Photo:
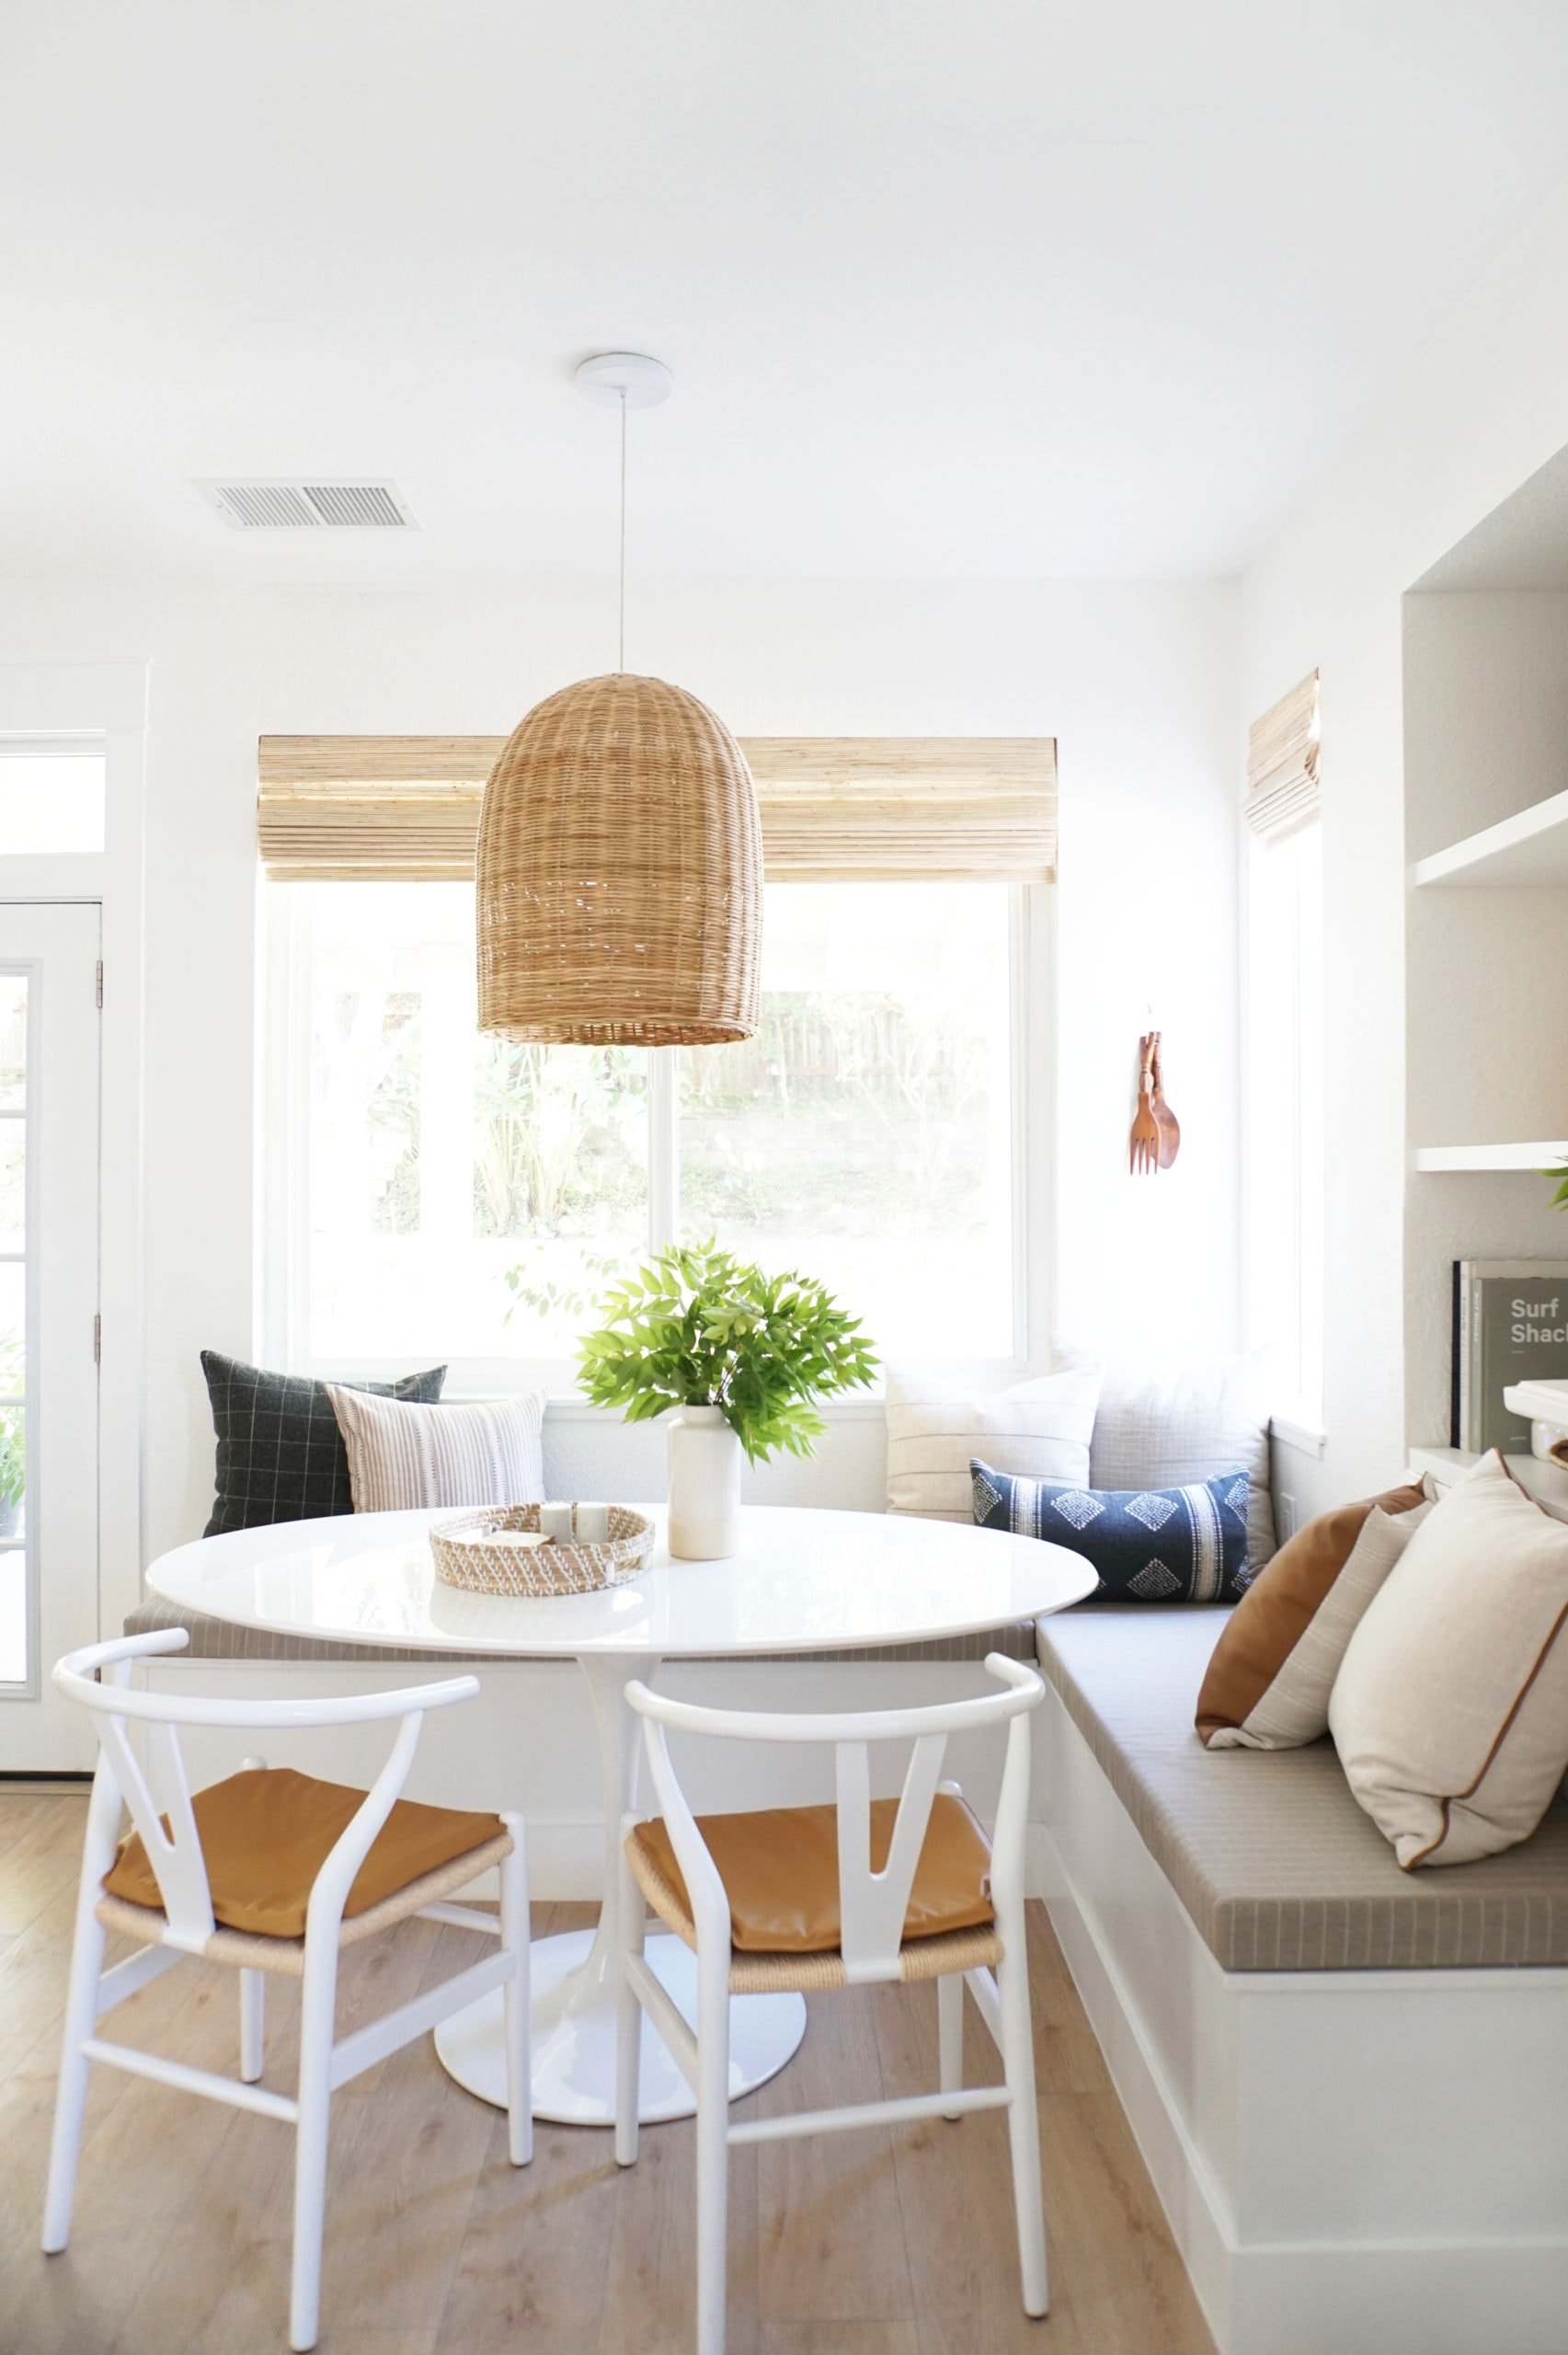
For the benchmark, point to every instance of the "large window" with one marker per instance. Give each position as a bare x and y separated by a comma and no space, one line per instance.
439,1194
1286,1117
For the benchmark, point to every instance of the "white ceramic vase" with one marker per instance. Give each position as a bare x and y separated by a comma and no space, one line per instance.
705,1486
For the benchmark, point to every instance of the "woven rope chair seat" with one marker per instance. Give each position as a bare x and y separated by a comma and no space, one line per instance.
248,1950
810,1974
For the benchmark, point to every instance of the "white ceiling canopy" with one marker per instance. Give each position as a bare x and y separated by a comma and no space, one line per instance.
955,287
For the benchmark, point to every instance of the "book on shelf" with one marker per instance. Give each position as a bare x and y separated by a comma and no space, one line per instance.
1510,1326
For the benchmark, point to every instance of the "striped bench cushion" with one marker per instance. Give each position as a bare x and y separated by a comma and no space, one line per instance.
1268,1850
220,1639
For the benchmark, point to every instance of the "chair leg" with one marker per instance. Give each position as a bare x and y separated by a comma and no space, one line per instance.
71,2094
318,2003
713,2148
518,1997
1022,2117
950,2033
252,2024
628,2018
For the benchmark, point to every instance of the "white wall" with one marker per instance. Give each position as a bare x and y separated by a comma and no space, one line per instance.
1481,409
1485,734
1134,681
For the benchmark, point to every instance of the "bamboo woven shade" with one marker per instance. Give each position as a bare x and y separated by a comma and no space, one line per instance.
619,873
1282,765
857,809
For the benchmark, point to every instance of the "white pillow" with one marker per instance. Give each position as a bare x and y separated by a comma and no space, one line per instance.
1450,1709
1166,1429
1040,1428
485,1453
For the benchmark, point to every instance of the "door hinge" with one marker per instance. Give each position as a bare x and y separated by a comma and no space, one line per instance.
100,981
98,1340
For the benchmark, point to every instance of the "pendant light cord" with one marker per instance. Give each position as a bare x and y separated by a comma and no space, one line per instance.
621,652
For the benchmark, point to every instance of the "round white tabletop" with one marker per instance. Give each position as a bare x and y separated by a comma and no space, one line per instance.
803,1581
806,1580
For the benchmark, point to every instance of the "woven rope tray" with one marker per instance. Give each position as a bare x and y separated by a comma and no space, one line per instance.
558,1567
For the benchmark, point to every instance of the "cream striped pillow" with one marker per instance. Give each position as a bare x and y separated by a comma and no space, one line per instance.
1040,1427
485,1453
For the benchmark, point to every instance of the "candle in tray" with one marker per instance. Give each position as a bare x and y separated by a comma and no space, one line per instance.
522,1540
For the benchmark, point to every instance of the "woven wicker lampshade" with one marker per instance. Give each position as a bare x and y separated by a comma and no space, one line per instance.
619,873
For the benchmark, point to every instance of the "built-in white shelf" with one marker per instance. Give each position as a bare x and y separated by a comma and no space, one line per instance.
1546,1482
1530,849
1458,1157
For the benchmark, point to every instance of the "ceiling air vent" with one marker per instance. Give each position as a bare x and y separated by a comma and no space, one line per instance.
309,506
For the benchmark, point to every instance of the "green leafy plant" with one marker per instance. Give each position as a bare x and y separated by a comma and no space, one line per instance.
1559,1199
697,1328
545,1294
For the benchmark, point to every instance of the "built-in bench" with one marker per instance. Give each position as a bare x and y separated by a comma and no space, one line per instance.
1277,1866
1350,2083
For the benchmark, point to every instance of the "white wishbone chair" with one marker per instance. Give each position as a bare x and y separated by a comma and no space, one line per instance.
187,1876
792,1899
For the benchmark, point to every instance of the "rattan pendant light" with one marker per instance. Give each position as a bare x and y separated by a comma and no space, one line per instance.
620,856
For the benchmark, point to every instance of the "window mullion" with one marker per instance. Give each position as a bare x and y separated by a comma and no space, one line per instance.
664,1147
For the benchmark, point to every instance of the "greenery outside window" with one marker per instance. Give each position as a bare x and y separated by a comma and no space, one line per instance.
435,1193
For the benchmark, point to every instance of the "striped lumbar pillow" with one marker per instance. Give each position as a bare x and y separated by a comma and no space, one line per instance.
1041,1427
402,1457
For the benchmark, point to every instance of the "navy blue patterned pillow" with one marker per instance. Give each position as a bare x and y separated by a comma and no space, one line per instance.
1148,1545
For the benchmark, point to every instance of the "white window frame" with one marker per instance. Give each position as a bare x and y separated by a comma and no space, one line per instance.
1286,1134
283,1067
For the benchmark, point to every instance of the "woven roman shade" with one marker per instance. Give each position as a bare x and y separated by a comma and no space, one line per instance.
865,808
1282,765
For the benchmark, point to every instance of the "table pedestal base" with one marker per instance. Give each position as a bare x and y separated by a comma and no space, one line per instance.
574,2036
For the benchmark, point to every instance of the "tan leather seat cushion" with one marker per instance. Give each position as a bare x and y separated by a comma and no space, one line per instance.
266,1832
780,1869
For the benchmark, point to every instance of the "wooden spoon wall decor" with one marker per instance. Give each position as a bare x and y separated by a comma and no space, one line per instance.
1166,1120
1156,1133
1144,1152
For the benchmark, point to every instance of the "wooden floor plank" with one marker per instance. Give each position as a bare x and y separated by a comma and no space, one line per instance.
36,1861
1116,2273
861,2244
954,2184
830,2236
1067,2059
840,2338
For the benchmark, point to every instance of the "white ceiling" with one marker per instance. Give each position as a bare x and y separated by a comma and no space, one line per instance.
949,287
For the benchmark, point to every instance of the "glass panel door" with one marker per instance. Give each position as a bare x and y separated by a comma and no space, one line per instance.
15,990
49,1251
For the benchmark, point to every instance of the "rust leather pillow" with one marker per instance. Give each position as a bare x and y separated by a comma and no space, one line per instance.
1268,1683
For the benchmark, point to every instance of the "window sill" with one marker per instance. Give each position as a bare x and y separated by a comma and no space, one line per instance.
1296,1431
570,1406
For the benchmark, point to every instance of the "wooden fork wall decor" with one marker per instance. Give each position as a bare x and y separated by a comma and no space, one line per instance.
1156,1133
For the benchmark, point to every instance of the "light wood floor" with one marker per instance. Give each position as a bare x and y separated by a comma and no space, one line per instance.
874,2243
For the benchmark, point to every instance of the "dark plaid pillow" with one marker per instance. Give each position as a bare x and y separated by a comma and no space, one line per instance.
280,1451
1148,1545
